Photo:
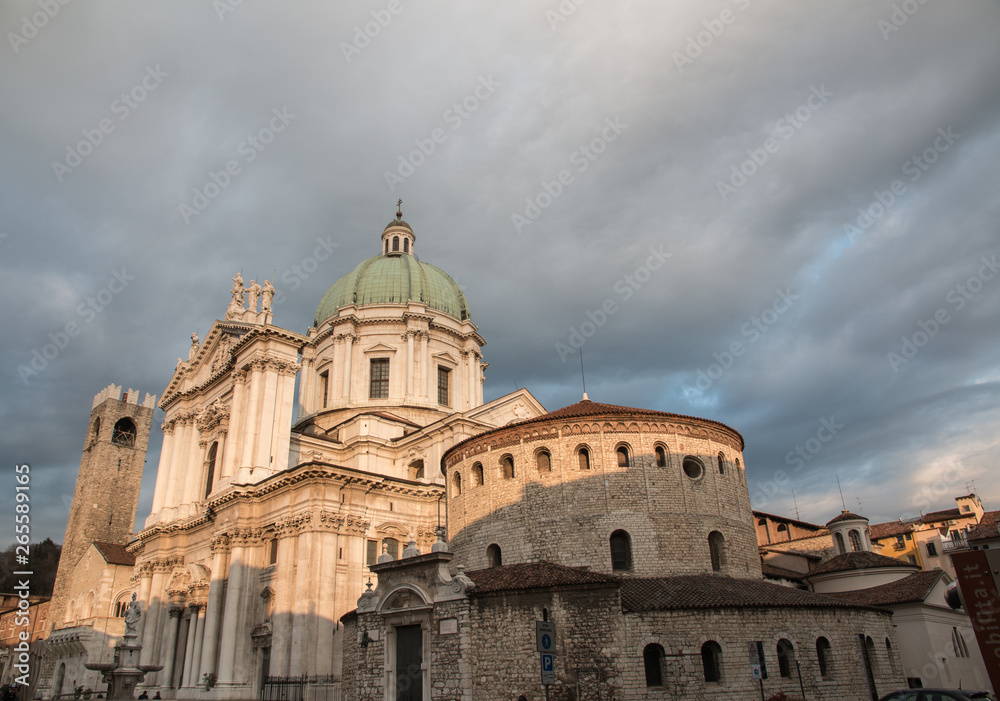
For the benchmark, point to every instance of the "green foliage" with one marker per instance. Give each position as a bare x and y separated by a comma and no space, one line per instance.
209,679
43,561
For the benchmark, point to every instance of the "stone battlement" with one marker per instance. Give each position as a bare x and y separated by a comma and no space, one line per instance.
114,391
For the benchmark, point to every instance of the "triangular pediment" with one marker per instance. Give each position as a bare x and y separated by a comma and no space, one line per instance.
392,530
447,357
380,348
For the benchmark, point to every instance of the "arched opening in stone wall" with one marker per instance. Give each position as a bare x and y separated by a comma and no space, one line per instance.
824,657
786,658
711,661
395,244
717,550
494,558
661,456
652,659
210,478
583,454
95,432
870,652
456,484
855,538
507,467
621,551
124,433
477,474
721,459
623,456
783,531
543,460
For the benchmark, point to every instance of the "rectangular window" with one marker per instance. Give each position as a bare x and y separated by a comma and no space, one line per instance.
324,387
931,550
380,379
443,374
372,555
392,547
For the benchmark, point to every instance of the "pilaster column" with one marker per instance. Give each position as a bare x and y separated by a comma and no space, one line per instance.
231,454
192,668
410,363
196,480
189,475
162,478
326,603
283,418
307,396
348,358
428,371
191,616
252,421
142,596
151,632
281,617
180,445
302,618
213,613
170,648
266,415
231,613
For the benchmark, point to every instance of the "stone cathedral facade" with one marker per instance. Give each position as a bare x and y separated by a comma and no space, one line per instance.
399,538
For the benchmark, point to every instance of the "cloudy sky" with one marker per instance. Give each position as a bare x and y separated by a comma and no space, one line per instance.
782,216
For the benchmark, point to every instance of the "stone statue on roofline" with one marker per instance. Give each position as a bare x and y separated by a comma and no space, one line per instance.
254,291
267,296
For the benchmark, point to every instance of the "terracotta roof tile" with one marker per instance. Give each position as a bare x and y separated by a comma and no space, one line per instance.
706,591
535,575
890,530
862,560
989,527
945,515
908,590
773,572
115,554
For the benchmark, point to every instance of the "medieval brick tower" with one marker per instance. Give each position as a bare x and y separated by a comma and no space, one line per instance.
107,486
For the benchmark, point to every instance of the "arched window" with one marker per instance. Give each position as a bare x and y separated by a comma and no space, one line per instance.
387,245
762,522
210,478
507,467
124,433
892,657
622,453
477,474
95,432
395,243
717,549
693,467
722,463
711,661
652,660
661,456
621,551
870,652
783,528
406,245
584,456
544,460
838,540
737,463
494,558
786,658
855,538
456,483
824,656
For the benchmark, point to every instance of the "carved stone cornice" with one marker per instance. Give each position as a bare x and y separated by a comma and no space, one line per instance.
349,523
220,544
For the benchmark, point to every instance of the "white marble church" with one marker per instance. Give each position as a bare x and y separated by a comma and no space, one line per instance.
262,530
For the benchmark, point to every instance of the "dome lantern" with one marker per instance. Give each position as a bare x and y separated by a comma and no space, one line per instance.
398,238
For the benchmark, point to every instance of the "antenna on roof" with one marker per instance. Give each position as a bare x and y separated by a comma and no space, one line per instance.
972,488
583,376
796,505
842,502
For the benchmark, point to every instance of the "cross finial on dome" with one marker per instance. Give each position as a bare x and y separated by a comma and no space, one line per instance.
399,209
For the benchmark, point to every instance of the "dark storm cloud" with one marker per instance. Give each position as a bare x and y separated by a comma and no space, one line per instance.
520,98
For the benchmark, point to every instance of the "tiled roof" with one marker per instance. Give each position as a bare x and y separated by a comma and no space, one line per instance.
773,572
945,515
706,591
861,560
846,516
587,408
908,590
115,554
535,575
989,527
890,530
786,519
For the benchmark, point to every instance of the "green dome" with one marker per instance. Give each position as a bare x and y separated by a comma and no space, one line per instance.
394,279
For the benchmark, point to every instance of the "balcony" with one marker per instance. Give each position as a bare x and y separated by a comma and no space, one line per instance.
957,542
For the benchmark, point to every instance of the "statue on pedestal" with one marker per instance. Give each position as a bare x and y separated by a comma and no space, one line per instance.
268,296
238,304
254,291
